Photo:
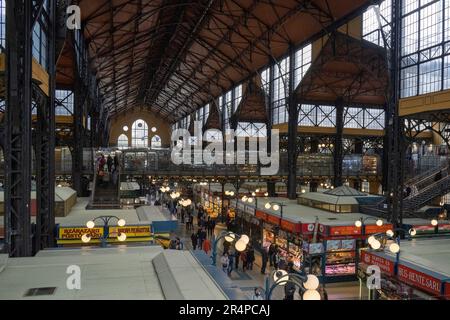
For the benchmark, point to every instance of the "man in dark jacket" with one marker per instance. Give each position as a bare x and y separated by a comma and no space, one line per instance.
194,239
265,258
250,258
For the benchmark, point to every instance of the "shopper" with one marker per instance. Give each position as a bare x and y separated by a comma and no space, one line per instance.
224,261
206,246
237,254
250,257
265,258
244,260
289,291
276,259
201,237
109,163
271,254
230,262
194,239
257,294
179,244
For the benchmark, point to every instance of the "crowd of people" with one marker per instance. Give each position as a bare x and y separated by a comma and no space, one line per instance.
107,169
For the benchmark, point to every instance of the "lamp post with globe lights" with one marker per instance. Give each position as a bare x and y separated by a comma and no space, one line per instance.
240,243
361,223
105,219
308,284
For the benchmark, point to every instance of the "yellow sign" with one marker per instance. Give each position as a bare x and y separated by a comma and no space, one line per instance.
75,233
130,231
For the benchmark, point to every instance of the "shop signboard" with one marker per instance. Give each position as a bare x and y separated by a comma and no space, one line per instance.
444,228
250,210
291,226
261,215
419,279
273,219
333,245
75,233
371,229
307,227
344,230
130,231
348,244
385,265
315,248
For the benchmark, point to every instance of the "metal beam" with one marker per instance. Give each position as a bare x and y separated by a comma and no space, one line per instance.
18,128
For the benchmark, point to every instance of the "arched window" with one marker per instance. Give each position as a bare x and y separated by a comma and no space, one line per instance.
156,142
122,142
139,134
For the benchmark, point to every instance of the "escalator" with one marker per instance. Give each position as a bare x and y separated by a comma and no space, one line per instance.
422,190
105,189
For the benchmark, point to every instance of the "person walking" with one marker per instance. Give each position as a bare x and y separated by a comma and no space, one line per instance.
224,261
206,246
289,291
257,294
265,258
276,259
244,260
201,237
230,263
237,254
109,163
271,254
250,257
194,239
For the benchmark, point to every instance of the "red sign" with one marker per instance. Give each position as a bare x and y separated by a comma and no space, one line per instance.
291,226
273,219
309,227
419,279
261,215
447,290
385,265
371,229
344,231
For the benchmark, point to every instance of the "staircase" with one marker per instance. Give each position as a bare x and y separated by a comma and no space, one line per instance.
425,188
105,193
428,189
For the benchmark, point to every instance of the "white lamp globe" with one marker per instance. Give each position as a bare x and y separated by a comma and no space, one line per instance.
85,238
250,200
244,198
231,193
266,194
125,128
230,237
371,239
154,129
253,194
358,223
240,246
434,222
121,222
276,207
312,282
412,232
122,237
311,295
257,190
188,202
267,205
280,274
245,239
390,233
379,222
394,247
90,224
375,244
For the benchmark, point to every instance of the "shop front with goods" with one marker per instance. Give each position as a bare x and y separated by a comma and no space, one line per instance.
401,280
